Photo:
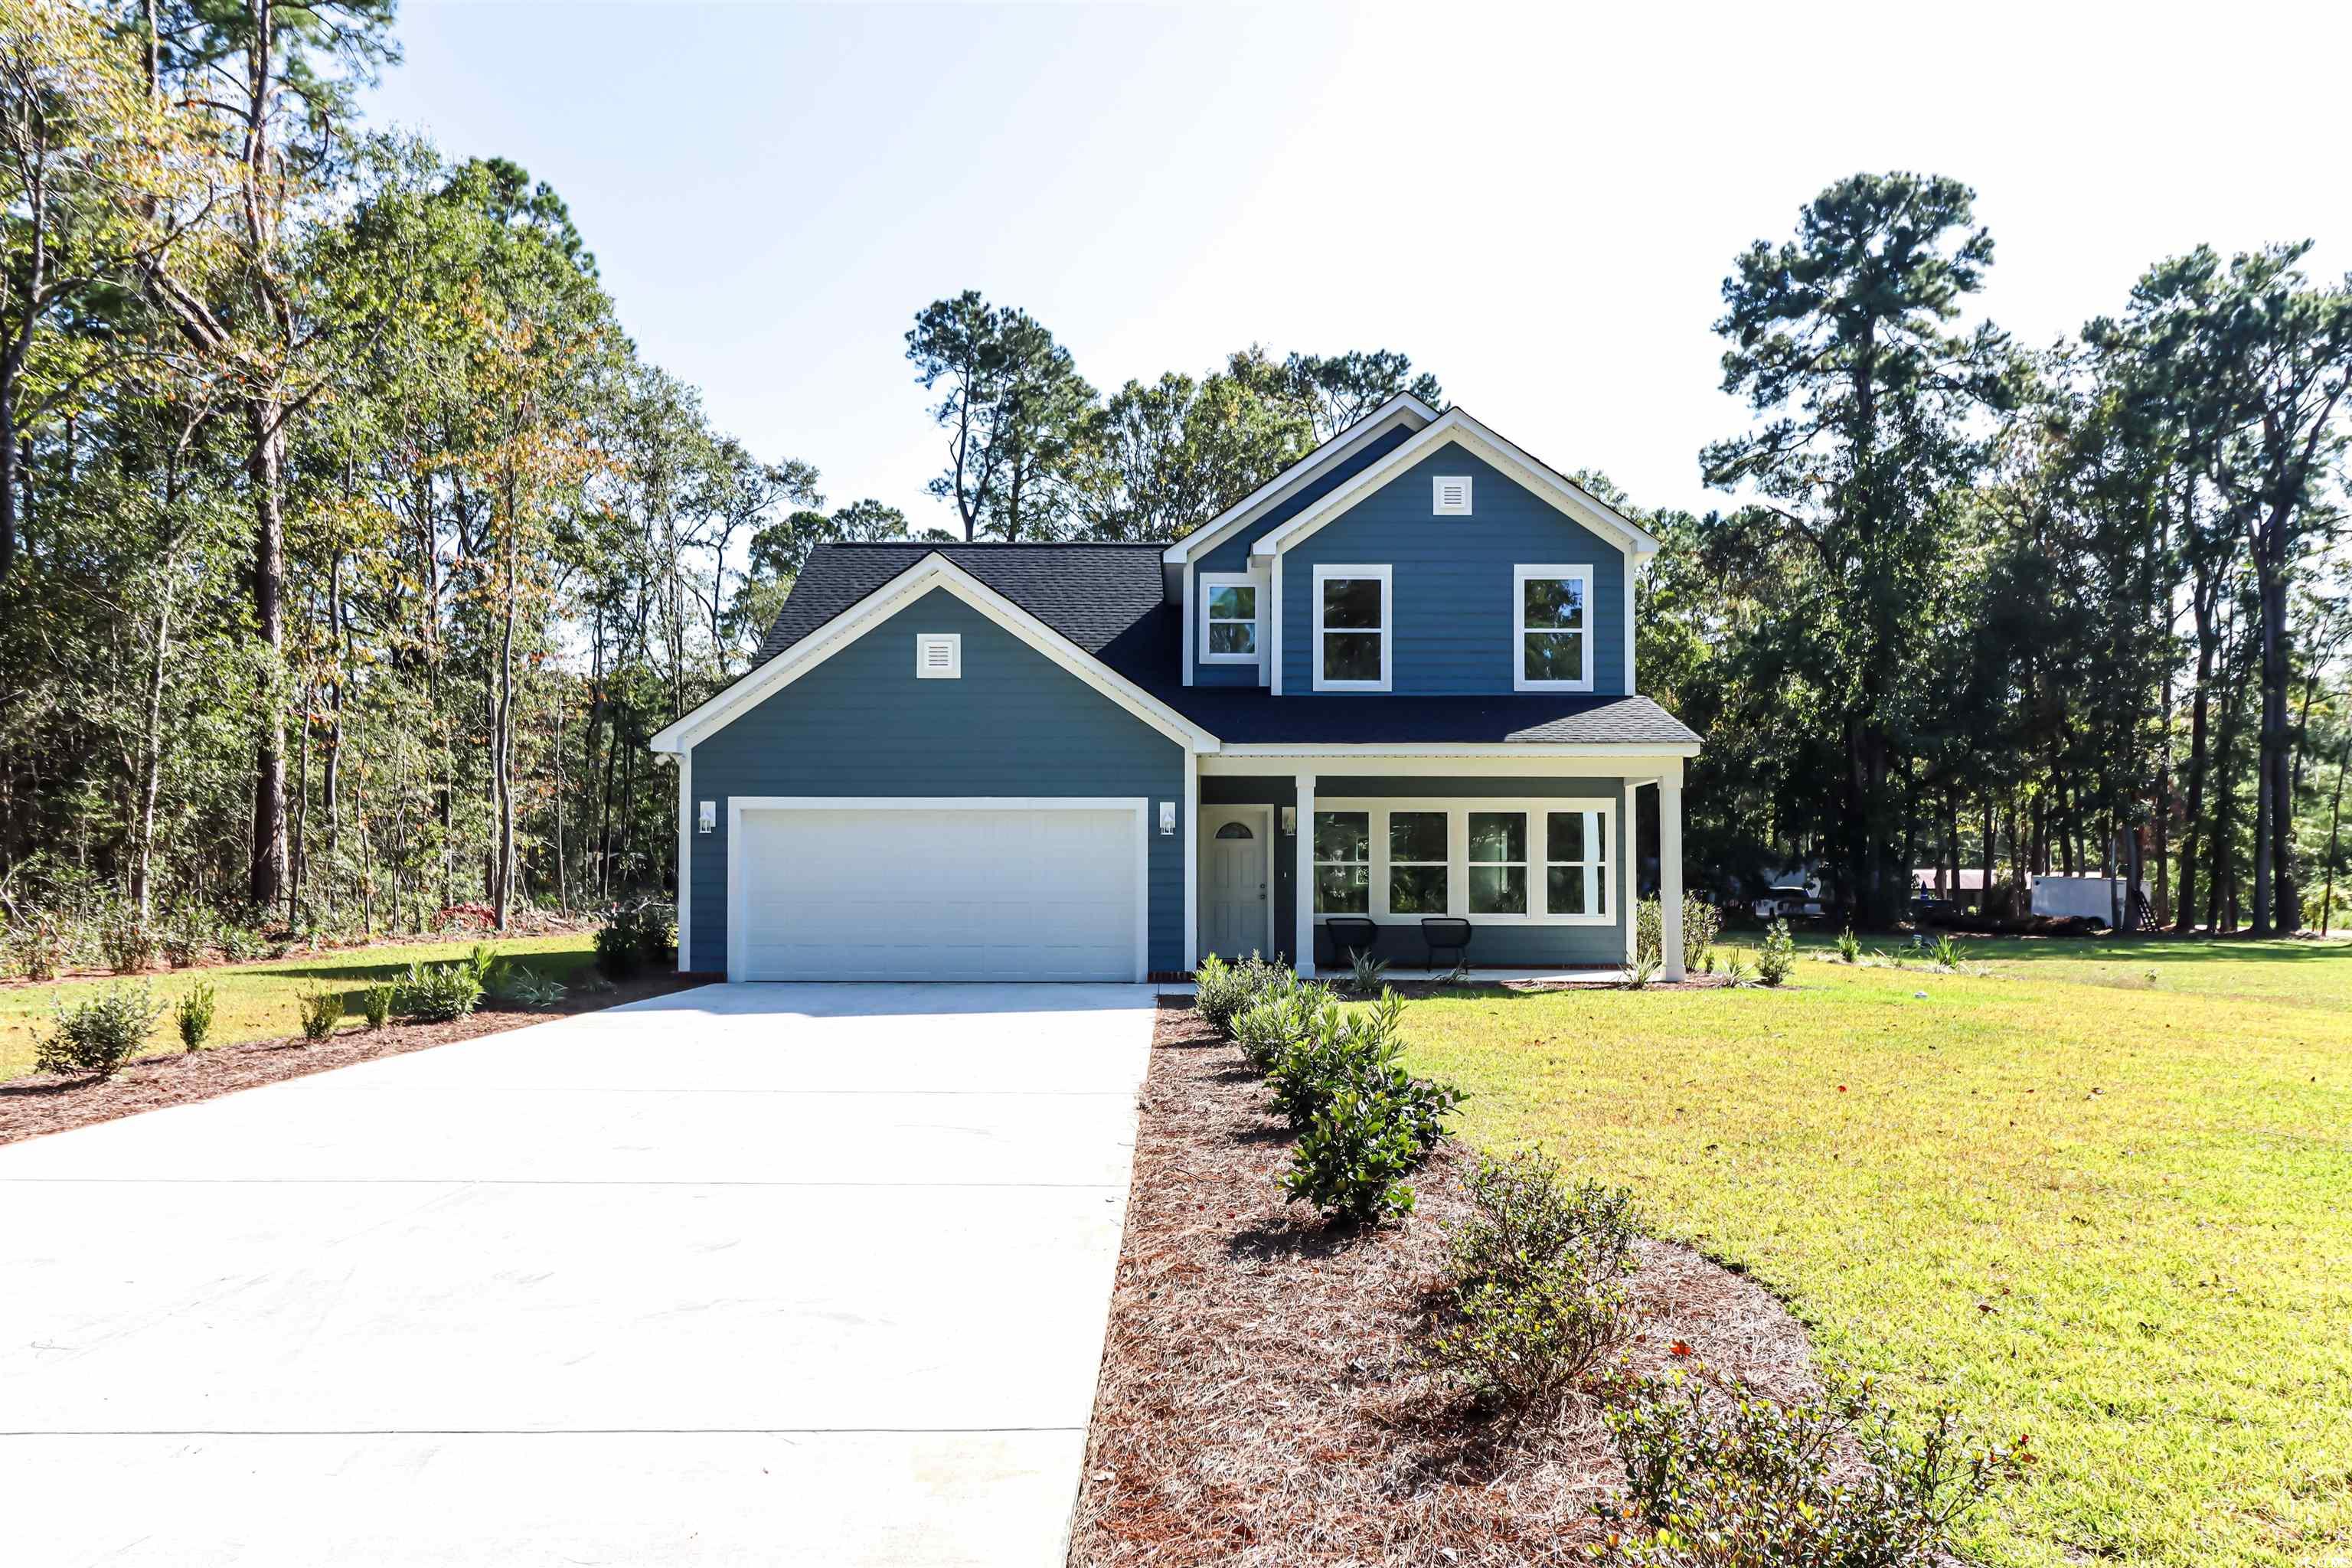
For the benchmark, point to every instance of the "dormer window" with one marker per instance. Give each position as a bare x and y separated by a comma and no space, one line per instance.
1551,630
1229,626
1451,495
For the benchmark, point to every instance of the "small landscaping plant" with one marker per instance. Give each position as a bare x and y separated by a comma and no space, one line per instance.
377,1000
1365,973
437,992
1719,1477
1222,990
128,942
1644,971
1777,956
636,938
321,1010
195,1015
1849,946
482,962
1364,1122
528,988
1702,923
98,1036
186,940
1947,951
41,948
1538,1299
1283,1015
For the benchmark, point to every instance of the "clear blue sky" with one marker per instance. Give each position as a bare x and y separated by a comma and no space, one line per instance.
1538,204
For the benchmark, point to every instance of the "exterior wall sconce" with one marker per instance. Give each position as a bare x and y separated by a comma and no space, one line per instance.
1167,817
705,818
1290,819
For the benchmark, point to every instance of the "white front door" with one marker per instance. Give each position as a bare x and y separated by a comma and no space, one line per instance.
1233,876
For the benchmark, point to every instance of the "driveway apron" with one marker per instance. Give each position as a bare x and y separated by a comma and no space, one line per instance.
749,1274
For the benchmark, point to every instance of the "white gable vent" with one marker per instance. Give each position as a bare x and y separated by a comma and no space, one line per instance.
1453,495
938,656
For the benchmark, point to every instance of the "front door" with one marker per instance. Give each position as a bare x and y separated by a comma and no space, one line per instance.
1234,892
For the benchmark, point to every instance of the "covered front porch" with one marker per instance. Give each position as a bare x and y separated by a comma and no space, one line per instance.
1531,856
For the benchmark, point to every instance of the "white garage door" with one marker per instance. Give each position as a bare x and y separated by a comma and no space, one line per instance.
923,890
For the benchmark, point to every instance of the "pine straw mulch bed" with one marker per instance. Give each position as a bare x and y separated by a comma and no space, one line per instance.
1259,1401
52,1102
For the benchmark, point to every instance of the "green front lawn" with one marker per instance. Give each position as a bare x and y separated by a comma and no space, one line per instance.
262,1001
2112,1213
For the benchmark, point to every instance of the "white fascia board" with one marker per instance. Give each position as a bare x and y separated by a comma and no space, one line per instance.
934,571
1623,750
1405,406
1458,428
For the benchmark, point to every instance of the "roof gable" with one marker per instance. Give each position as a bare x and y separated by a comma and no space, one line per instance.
1455,427
1403,409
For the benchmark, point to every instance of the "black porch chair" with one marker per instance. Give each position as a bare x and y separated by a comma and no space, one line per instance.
1349,936
1446,935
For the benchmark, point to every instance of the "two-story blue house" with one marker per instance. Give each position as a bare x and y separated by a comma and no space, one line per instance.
1394,685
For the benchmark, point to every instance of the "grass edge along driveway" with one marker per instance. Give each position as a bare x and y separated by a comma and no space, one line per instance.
2117,1216
263,1000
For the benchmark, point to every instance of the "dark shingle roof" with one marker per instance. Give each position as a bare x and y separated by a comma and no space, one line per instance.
1109,600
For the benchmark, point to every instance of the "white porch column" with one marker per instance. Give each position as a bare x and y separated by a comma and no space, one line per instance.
1670,872
1302,951
1188,822
1629,874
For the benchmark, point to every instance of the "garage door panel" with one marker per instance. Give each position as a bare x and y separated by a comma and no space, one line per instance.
951,892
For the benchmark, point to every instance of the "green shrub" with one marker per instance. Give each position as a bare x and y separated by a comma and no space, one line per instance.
1849,946
1527,1219
40,948
1283,1015
1947,951
1222,990
241,944
637,937
1644,969
1777,956
437,992
1364,1122
195,1015
99,1035
322,1009
1353,1157
528,988
377,1002
128,942
1536,1283
1702,923
483,963
1735,967
1367,971
1718,1477
187,938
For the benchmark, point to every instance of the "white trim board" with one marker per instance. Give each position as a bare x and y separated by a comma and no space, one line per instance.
1403,407
933,571
1455,427
739,916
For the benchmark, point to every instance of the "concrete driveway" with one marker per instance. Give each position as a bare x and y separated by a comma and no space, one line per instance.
748,1275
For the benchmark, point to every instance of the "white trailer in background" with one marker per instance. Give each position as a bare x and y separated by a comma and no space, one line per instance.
2095,897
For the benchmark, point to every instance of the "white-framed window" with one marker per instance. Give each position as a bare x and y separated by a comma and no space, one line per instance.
1229,619
1498,862
1551,628
938,656
1449,495
1489,861
1418,861
1575,863
1351,628
1343,862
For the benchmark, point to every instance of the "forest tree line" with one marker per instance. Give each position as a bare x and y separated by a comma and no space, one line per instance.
349,553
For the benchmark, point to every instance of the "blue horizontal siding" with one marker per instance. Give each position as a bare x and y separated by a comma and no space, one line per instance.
1233,554
861,724
1452,577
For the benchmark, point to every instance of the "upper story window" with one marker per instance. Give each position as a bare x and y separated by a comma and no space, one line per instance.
1551,630
1351,628
1449,495
1229,628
